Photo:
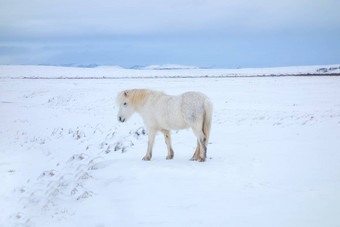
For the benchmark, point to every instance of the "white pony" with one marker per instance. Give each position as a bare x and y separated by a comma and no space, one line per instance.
161,112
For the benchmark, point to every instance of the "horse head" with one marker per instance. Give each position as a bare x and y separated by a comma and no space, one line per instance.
125,107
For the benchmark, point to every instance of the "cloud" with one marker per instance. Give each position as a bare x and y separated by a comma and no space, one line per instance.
221,33
107,17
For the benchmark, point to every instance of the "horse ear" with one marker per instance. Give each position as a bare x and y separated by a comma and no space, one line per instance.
125,93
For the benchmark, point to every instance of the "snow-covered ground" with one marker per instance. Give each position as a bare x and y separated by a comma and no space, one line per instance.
159,71
273,157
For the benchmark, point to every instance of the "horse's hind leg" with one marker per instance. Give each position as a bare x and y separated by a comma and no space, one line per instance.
196,155
202,140
167,138
152,134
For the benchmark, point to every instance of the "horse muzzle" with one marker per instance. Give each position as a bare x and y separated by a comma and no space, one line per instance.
121,119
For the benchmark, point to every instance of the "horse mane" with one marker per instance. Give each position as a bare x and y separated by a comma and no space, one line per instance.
135,96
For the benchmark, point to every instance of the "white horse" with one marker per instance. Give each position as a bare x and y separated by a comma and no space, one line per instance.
161,112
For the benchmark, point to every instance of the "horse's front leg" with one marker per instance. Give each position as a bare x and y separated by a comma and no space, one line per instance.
167,138
152,134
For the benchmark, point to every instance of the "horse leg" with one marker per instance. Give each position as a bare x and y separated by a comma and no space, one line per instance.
196,155
152,134
167,138
202,142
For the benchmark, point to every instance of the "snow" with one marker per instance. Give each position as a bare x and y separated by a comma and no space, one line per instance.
168,67
162,71
273,157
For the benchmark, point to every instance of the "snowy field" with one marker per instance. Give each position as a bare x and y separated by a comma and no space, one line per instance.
159,71
273,157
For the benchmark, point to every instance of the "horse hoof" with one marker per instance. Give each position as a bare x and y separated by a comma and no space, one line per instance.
169,157
195,158
201,159
146,158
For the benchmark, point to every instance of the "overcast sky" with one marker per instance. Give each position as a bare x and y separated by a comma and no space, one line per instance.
215,33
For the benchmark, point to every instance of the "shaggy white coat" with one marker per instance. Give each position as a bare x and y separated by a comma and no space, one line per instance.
161,112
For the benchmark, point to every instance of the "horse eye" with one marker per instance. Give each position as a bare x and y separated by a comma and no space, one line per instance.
124,103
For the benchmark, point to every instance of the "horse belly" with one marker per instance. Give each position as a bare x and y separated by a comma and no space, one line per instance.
176,125
172,118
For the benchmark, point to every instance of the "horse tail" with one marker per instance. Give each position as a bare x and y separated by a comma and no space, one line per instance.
207,119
